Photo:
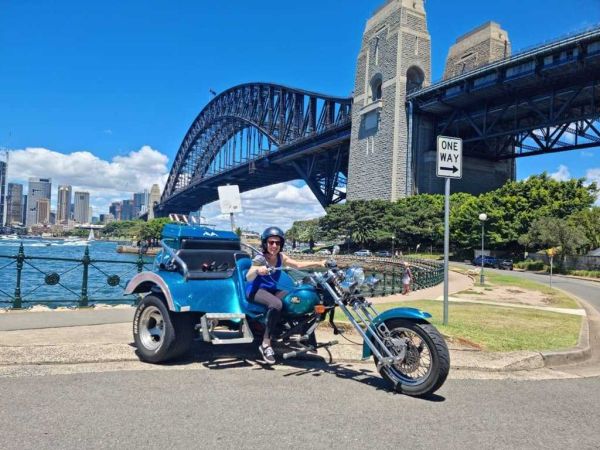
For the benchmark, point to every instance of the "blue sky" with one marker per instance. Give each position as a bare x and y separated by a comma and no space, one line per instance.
111,87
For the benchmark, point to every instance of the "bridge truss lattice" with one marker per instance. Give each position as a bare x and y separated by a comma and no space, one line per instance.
258,134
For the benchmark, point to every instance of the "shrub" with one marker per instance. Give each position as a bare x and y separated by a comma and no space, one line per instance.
530,265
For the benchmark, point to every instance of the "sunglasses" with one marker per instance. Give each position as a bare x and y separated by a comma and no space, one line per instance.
274,243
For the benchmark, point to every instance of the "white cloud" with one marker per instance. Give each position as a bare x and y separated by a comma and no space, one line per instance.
593,176
562,174
119,178
106,181
279,205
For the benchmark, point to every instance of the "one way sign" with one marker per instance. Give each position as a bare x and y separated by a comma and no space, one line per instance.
449,157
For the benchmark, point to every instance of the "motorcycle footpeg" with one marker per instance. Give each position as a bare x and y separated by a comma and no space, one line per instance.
289,355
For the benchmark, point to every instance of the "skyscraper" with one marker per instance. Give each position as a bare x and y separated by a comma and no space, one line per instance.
115,209
63,206
82,207
14,204
39,188
127,210
43,211
24,218
3,167
154,199
138,203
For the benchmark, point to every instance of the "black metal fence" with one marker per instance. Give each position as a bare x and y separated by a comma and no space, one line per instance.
65,281
390,271
28,280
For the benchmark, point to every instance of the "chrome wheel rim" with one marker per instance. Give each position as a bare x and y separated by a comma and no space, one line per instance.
152,328
417,364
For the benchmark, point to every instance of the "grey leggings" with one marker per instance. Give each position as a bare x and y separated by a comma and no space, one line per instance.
273,304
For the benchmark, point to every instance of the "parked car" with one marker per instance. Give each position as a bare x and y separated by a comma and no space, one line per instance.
491,261
362,253
383,254
488,261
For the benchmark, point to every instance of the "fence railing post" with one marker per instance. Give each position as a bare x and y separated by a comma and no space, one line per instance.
140,262
18,301
393,280
84,283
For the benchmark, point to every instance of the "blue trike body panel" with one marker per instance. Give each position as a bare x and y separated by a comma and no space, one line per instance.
214,277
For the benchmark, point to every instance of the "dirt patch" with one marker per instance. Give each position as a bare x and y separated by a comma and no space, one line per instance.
462,343
505,295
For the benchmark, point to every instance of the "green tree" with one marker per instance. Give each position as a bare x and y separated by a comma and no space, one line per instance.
589,222
308,231
548,232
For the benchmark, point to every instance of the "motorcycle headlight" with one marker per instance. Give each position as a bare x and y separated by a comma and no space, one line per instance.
353,279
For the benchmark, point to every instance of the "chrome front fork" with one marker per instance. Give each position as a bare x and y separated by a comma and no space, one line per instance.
366,315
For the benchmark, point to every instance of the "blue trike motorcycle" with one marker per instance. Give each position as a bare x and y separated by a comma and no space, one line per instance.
196,290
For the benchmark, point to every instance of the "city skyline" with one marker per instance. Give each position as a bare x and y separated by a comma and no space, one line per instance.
110,111
71,207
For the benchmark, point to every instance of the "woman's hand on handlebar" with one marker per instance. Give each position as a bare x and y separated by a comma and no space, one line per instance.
263,270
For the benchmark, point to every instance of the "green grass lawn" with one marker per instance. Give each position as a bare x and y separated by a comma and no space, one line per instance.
498,328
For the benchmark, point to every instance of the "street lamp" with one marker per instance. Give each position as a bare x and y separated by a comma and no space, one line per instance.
482,217
393,238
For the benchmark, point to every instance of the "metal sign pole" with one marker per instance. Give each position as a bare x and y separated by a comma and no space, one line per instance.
446,247
448,165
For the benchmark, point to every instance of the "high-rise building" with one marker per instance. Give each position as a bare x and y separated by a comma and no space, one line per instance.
14,204
154,200
127,210
24,217
63,205
106,218
138,203
82,207
43,211
115,210
39,188
146,201
3,205
90,214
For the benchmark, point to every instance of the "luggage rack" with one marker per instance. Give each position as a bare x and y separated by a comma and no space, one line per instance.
188,219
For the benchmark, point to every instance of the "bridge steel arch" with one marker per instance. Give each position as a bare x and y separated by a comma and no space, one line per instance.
258,134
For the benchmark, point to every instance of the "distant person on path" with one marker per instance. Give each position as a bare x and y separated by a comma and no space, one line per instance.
406,279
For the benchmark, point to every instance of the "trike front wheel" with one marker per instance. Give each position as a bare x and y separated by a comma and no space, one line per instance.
426,360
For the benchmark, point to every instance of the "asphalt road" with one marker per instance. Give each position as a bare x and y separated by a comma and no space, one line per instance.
297,408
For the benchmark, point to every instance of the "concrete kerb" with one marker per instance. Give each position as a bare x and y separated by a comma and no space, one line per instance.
583,350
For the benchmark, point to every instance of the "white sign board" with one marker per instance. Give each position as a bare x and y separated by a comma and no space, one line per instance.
449,157
229,199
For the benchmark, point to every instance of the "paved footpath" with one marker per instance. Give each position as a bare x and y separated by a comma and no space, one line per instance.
104,335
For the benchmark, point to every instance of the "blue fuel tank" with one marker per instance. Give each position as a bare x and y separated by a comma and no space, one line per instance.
300,301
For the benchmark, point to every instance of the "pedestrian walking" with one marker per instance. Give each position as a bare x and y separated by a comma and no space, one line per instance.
406,279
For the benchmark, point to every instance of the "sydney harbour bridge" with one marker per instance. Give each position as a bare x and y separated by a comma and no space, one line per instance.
546,99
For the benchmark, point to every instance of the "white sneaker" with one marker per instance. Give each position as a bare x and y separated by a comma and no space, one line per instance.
267,353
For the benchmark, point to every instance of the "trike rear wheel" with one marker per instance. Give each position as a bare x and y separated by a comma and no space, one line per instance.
159,334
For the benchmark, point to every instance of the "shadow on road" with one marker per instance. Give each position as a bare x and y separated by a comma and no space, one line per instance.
216,357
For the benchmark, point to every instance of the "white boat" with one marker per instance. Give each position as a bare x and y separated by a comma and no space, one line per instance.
91,235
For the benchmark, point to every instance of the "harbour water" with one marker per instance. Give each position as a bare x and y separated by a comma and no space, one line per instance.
53,272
